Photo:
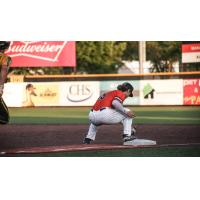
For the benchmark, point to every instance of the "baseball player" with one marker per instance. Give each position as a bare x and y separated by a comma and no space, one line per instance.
109,109
5,62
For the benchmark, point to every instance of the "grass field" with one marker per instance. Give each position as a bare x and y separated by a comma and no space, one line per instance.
144,115
79,115
185,151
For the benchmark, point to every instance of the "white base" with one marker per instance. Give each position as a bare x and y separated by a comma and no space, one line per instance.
140,142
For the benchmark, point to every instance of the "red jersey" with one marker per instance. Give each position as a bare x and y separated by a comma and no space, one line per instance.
106,99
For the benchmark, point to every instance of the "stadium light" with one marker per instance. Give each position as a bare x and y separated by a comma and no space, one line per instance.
142,55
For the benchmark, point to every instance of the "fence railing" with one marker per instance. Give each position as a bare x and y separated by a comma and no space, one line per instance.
92,77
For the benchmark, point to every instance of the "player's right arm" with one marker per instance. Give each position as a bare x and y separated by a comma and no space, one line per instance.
120,108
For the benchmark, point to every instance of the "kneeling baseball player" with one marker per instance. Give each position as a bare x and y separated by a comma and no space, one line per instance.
109,109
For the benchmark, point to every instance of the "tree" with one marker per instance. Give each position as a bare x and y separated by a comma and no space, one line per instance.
131,51
161,53
99,57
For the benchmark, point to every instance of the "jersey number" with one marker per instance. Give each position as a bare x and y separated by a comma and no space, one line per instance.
102,96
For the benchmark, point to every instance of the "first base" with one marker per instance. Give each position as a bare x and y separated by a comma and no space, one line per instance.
140,142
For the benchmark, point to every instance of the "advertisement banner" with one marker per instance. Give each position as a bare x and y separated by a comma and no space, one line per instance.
41,94
42,53
84,93
79,93
191,53
13,94
161,92
112,85
191,88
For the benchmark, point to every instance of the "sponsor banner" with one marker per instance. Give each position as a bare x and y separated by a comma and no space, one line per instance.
112,85
191,90
191,48
75,93
161,92
42,53
85,93
40,94
191,53
13,93
191,57
51,94
31,94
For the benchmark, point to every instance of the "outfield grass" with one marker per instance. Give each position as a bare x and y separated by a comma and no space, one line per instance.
79,115
187,151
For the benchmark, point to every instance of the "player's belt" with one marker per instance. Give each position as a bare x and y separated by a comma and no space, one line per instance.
99,109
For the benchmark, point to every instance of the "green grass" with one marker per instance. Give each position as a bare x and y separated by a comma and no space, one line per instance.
144,115
49,115
79,115
187,151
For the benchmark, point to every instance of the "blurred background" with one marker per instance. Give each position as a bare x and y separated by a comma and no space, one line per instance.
69,73
109,57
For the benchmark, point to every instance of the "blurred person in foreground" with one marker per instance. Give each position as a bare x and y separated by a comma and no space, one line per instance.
5,62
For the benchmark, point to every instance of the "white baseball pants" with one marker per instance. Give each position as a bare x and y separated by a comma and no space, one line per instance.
108,116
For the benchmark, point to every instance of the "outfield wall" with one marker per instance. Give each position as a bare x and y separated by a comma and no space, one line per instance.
85,93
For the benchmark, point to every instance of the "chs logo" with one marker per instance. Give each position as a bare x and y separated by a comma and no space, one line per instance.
79,92
49,51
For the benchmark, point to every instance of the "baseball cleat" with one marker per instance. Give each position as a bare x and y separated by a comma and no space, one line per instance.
87,141
127,138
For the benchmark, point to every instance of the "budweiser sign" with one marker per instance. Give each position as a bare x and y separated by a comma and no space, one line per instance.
42,53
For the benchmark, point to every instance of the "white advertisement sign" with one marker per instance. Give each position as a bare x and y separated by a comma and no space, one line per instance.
76,93
79,93
191,53
13,94
161,92
85,93
191,57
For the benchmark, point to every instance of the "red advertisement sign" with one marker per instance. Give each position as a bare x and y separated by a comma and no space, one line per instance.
191,47
42,53
191,53
191,91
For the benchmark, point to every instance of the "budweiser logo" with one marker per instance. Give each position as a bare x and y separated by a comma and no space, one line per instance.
44,50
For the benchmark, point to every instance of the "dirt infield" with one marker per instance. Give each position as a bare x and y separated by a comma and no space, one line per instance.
40,138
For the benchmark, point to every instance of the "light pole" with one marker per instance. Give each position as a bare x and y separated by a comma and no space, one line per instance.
142,56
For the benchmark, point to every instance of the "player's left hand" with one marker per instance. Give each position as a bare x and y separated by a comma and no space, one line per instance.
131,114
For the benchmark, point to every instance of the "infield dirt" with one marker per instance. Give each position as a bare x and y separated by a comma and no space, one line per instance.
28,136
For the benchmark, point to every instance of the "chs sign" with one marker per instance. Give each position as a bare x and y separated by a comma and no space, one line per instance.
42,53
